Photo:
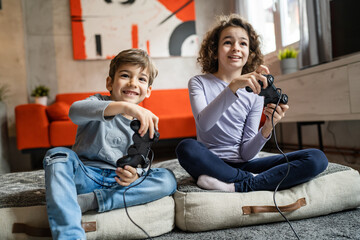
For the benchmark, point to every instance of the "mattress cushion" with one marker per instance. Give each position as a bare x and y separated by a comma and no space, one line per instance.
23,213
334,190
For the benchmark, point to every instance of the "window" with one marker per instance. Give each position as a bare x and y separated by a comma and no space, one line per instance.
276,21
289,18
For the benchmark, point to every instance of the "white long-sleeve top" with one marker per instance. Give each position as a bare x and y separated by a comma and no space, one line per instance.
226,123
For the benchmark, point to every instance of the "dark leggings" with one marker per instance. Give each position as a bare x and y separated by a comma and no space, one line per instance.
197,160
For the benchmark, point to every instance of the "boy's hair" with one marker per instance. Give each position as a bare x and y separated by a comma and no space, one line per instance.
209,47
133,56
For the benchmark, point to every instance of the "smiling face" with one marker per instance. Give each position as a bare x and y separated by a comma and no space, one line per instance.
233,49
130,84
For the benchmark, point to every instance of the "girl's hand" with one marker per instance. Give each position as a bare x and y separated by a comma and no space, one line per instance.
278,115
251,80
126,175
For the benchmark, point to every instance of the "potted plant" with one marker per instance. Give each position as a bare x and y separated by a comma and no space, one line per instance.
4,163
41,94
4,89
288,60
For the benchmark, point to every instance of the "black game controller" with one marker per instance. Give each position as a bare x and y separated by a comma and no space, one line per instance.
270,93
139,151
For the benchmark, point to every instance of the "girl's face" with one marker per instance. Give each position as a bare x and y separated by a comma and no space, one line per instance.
130,84
233,49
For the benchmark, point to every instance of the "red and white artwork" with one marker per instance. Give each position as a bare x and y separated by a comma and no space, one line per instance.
102,28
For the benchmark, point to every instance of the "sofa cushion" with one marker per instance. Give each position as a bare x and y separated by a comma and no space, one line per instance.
172,126
31,132
336,189
23,210
58,111
62,133
173,108
70,98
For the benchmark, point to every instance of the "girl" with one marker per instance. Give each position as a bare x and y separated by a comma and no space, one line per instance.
227,118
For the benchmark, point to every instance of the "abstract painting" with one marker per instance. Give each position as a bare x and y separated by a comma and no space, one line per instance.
102,28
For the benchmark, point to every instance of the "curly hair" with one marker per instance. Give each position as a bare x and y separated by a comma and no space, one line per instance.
209,46
134,56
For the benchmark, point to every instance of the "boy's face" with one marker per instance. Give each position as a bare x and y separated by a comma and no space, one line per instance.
233,50
130,84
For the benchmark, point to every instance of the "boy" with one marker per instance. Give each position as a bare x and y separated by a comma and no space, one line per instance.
86,177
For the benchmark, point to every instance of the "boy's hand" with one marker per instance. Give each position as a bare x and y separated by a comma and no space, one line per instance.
148,120
278,115
126,175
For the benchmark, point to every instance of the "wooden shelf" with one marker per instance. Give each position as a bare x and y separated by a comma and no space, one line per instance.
327,92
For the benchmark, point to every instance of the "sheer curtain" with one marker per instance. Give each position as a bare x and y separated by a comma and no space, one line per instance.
261,16
315,32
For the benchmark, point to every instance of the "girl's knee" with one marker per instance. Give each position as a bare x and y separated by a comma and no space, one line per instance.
318,160
181,150
184,146
186,150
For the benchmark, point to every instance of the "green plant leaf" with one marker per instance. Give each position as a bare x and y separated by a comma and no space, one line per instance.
4,90
40,91
287,53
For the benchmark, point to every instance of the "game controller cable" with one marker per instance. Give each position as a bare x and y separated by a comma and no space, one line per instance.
288,164
138,155
147,174
274,95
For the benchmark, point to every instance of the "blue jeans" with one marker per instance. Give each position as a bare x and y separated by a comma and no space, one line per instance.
66,177
197,160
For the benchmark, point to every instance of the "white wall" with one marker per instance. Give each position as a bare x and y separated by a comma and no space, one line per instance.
12,57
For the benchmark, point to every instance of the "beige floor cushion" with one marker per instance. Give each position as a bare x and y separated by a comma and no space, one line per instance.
23,213
336,189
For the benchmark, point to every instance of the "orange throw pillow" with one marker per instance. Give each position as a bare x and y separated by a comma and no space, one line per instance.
59,111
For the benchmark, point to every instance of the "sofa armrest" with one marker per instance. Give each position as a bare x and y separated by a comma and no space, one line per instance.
32,126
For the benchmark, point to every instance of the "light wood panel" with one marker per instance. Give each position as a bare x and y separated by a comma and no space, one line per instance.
354,84
326,92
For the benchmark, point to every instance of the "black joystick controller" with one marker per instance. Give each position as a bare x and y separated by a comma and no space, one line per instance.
270,93
137,154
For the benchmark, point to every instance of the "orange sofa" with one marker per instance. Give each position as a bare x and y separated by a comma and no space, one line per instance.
39,126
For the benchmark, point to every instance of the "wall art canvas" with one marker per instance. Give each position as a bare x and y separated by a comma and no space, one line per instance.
102,28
